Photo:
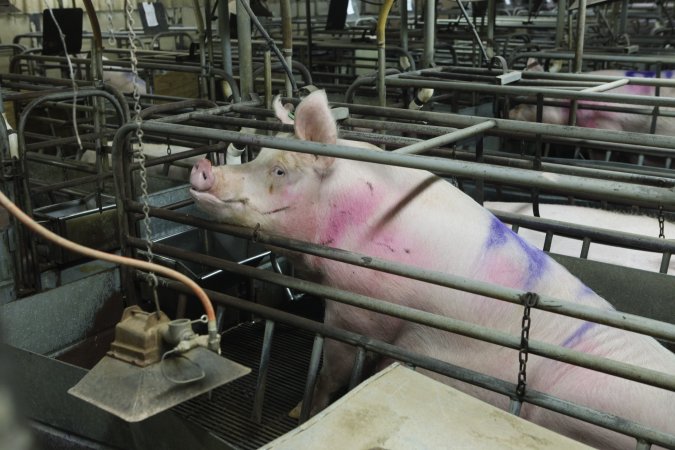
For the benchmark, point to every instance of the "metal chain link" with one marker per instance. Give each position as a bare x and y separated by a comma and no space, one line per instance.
139,153
111,28
662,223
529,300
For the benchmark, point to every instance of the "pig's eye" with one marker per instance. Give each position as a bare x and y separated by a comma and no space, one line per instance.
278,171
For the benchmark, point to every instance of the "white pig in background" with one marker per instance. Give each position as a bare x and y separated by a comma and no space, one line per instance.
599,218
609,120
414,217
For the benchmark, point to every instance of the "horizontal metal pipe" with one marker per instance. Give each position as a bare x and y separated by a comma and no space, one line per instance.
607,86
597,235
408,80
612,57
452,137
605,190
516,126
590,415
660,330
204,112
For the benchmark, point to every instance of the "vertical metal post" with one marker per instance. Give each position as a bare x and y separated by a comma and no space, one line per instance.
224,31
202,47
312,373
268,78
515,407
578,56
403,12
491,19
665,262
560,26
480,183
429,34
623,18
287,35
262,371
357,370
581,29
381,51
308,20
209,48
245,52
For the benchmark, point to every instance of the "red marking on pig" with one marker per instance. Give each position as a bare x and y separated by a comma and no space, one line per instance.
354,209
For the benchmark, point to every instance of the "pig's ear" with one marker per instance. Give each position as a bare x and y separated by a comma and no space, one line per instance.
533,65
281,112
314,121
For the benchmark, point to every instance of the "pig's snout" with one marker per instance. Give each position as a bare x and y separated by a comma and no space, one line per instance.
201,176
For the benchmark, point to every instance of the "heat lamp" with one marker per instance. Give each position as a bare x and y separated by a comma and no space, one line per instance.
153,364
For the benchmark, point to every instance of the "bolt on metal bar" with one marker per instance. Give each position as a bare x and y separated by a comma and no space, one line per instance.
261,385
533,397
454,136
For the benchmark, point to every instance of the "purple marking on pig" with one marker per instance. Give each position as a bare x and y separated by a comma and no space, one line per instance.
537,261
576,337
648,73
498,233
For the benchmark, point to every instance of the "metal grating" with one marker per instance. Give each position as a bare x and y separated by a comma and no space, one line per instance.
227,411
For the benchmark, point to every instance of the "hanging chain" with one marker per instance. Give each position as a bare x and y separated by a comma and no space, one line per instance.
662,223
529,300
111,29
139,153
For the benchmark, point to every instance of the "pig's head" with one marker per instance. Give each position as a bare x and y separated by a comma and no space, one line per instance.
277,190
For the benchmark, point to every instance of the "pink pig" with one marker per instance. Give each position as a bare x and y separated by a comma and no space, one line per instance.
414,217
639,123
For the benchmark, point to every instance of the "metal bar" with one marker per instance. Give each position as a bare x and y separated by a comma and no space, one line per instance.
630,322
403,13
195,115
452,137
610,57
581,29
287,44
665,261
413,80
585,247
381,50
560,23
261,384
607,86
357,369
597,235
515,406
245,52
224,31
308,30
610,191
312,373
549,402
429,34
491,22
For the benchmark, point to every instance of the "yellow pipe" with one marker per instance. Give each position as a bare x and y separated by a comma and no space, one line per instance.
382,21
